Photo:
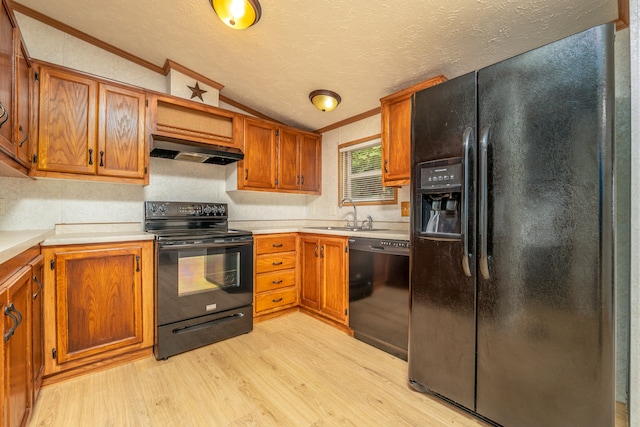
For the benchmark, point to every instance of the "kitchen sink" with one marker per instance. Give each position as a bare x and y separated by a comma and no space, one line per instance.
346,228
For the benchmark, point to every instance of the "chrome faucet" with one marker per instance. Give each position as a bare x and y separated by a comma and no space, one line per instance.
369,221
355,212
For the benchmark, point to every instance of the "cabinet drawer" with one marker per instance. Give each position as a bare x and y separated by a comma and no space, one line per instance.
266,263
272,300
276,280
270,245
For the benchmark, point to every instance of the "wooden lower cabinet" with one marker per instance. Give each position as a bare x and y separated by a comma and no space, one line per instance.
17,348
275,273
324,276
37,324
98,303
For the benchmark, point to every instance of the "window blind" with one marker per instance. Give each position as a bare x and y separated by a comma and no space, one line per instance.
361,173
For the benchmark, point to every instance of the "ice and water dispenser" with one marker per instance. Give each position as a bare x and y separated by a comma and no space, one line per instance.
439,198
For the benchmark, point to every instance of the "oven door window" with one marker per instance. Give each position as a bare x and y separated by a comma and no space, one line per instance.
208,271
192,282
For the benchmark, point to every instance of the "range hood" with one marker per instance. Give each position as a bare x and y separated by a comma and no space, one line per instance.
190,151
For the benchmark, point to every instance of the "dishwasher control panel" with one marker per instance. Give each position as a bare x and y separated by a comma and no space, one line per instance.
395,243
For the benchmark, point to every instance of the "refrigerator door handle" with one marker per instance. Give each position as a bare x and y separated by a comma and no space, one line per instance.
484,166
465,202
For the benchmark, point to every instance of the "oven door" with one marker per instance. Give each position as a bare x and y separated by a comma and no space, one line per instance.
196,279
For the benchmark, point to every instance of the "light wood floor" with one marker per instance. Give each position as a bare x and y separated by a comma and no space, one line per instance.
290,371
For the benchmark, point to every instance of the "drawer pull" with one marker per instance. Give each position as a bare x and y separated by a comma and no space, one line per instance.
277,245
277,263
276,300
277,282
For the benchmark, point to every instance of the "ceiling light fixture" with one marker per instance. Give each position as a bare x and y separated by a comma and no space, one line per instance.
325,100
237,14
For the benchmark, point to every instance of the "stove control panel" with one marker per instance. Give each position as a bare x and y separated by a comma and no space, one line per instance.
184,209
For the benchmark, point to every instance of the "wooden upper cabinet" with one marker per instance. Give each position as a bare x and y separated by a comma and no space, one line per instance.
396,133
68,122
299,159
288,159
258,168
279,158
6,79
15,98
121,132
310,163
22,124
90,129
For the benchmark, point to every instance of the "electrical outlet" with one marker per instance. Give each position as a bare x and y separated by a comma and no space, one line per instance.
3,207
405,210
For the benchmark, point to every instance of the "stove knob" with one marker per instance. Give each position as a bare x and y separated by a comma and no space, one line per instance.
221,209
153,208
162,209
208,209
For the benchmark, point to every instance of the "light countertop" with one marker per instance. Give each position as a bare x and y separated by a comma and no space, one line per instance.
13,243
377,234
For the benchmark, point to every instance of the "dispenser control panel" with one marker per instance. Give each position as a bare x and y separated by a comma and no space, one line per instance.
441,177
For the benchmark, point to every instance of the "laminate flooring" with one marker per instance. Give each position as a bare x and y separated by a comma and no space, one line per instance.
293,370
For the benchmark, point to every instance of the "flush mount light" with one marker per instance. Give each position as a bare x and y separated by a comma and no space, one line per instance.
325,100
237,14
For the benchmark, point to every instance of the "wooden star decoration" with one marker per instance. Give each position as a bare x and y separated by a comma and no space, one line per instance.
196,91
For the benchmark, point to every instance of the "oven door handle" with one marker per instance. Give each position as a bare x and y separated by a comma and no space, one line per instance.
195,245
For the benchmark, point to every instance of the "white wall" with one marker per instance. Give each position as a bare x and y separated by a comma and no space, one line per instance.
326,206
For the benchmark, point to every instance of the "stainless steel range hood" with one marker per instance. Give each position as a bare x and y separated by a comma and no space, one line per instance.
180,149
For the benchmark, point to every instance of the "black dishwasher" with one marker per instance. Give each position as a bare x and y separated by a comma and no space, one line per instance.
379,293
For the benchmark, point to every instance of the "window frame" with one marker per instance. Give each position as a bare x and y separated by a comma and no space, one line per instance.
340,173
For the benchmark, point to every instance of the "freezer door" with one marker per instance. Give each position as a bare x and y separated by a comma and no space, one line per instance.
545,314
442,314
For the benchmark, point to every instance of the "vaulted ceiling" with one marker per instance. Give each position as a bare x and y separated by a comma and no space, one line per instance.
362,49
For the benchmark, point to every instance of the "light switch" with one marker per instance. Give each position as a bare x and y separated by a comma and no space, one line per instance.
405,209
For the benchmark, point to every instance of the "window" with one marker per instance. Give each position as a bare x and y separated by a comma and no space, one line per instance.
361,173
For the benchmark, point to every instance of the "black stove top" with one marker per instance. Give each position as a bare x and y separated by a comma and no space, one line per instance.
183,221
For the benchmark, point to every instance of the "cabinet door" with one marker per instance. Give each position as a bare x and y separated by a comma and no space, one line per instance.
334,290
121,132
37,325
258,169
288,155
23,106
310,273
310,160
98,301
17,336
6,81
396,141
67,122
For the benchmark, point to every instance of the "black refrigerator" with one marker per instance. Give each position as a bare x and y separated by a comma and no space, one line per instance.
511,275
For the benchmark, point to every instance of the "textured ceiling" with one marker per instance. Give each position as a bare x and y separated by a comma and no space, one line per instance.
362,49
